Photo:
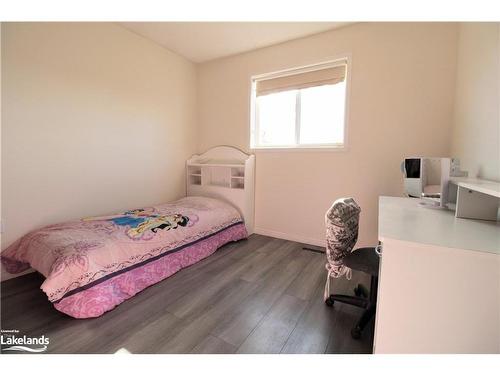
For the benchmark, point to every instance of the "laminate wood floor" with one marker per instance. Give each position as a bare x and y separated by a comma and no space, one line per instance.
260,295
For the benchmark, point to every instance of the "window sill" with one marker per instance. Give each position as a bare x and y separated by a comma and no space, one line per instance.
342,148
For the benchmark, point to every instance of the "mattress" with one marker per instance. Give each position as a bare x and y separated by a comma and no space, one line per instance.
93,264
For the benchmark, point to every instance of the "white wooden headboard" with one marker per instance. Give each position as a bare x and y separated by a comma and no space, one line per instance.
226,173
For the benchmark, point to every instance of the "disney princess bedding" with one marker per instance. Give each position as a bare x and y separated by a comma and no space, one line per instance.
94,264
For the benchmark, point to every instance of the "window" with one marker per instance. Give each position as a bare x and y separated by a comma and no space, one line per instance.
303,108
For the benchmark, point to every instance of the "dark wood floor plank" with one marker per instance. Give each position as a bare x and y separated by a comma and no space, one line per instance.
199,298
188,335
113,328
271,245
273,331
235,329
146,337
225,254
305,285
239,294
312,332
213,345
12,288
280,250
253,243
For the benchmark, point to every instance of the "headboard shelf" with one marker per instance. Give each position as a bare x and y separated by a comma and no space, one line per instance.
225,173
218,164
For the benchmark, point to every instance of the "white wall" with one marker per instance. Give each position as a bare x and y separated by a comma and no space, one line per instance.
476,132
401,103
95,120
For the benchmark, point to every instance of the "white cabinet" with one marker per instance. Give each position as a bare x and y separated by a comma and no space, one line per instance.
439,285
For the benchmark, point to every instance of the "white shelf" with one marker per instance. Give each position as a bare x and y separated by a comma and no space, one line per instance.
482,186
221,161
194,179
225,173
476,199
225,165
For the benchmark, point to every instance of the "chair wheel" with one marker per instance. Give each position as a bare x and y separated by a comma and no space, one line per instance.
356,333
329,302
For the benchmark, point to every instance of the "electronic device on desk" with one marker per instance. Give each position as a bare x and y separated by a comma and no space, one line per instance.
428,177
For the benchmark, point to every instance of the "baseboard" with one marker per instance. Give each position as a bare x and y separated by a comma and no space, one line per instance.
290,237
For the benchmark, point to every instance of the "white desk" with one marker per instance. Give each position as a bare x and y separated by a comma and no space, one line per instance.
439,285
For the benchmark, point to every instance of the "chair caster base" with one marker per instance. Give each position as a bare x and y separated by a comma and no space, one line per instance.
356,333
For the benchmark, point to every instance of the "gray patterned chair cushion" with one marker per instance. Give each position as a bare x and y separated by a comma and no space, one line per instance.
342,223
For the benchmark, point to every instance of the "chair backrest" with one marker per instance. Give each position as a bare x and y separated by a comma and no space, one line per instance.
342,223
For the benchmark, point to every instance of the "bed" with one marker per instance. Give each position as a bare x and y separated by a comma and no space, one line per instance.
93,264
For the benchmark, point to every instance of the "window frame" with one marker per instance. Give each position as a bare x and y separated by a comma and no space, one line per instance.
344,59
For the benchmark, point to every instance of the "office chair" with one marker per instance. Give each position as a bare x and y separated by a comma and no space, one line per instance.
342,223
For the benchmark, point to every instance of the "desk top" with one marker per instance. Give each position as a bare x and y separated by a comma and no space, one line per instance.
406,220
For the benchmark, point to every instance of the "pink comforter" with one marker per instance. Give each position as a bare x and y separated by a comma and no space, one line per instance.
93,264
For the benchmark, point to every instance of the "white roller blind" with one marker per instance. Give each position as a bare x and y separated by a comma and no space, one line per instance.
326,76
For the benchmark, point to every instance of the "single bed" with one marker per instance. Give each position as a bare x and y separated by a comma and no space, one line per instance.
94,264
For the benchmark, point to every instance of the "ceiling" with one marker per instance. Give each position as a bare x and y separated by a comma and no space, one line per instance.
204,41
